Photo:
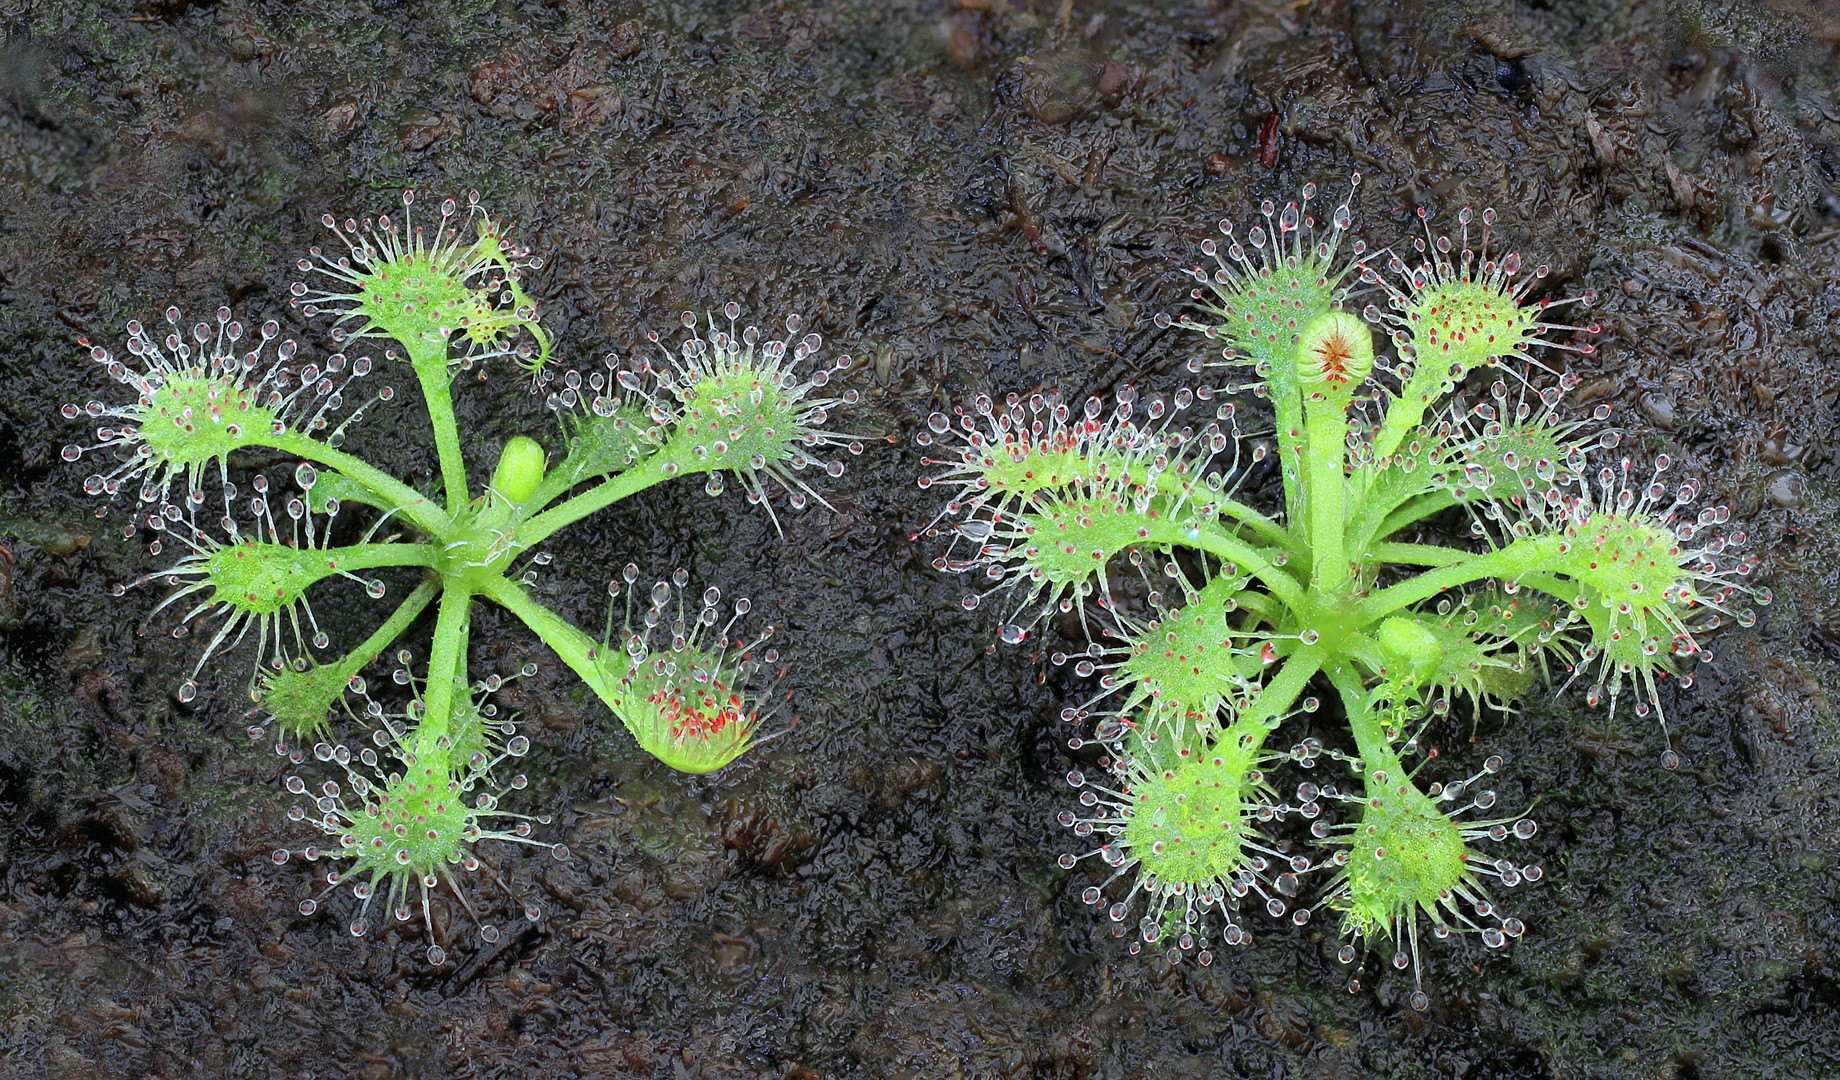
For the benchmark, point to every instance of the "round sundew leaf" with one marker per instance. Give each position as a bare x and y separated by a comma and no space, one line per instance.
1189,818
195,417
422,823
428,287
1068,536
679,707
1407,856
1003,458
734,414
1183,665
1262,314
1637,590
1460,324
427,293
599,445
1510,464
262,578
1626,556
299,701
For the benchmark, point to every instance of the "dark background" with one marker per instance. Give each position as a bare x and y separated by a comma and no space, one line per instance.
970,196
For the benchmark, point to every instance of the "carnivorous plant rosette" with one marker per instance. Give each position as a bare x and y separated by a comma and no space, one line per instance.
1601,573
443,294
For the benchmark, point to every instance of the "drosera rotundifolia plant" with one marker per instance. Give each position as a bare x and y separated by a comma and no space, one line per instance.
1212,621
442,294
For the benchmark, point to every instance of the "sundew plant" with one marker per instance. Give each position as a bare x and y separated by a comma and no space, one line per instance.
442,295
1216,615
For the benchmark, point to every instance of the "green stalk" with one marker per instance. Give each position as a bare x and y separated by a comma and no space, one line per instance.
430,362
1272,700
536,529
1256,604
407,501
1250,559
372,556
1521,557
413,605
1268,530
1405,411
1369,733
556,482
447,657
1417,508
1287,415
1415,554
577,650
1276,696
1325,487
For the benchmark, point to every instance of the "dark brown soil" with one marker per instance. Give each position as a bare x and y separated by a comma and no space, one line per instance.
973,196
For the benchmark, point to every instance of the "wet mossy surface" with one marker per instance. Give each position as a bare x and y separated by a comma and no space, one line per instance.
970,197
